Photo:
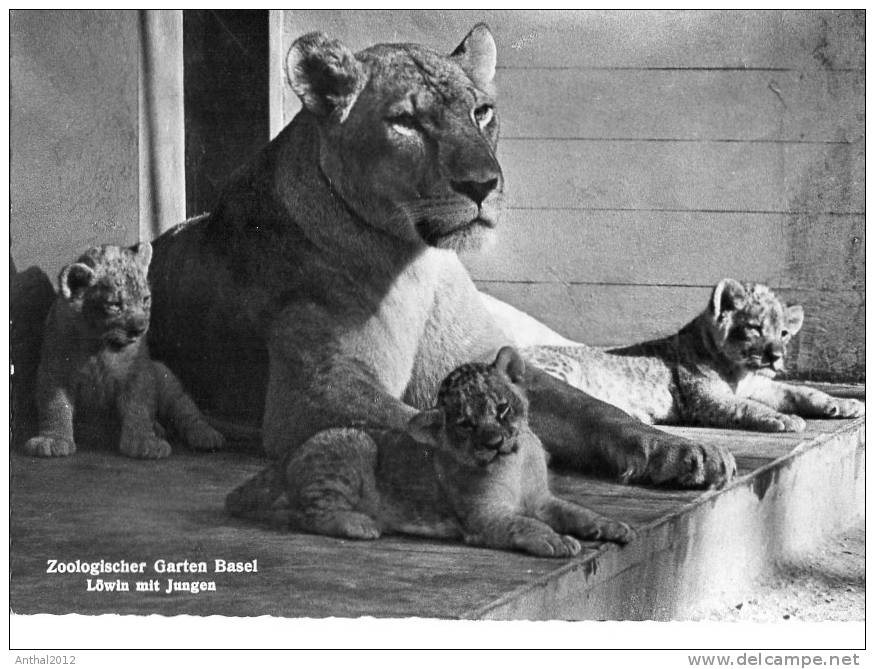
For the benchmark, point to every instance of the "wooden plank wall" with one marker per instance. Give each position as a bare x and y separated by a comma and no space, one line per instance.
650,154
74,126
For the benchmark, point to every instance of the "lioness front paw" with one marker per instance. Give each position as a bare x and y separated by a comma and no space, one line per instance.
146,447
47,446
549,544
676,461
782,423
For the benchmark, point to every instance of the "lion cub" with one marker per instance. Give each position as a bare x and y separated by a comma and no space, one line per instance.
717,371
95,368
470,468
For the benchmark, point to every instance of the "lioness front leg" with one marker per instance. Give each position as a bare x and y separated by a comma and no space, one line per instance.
564,516
301,402
514,531
807,402
587,433
331,485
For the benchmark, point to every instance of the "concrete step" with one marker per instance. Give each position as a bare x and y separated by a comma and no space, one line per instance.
715,544
793,490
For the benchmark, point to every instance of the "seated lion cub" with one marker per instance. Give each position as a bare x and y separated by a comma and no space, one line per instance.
717,371
95,367
470,468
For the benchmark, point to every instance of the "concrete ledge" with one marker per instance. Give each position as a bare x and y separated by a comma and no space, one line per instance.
716,544
793,491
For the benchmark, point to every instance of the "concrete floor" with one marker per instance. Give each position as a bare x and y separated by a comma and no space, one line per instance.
100,506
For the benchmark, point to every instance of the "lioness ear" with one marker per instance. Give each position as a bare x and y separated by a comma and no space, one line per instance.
794,316
73,278
425,427
511,363
325,74
728,295
144,254
477,56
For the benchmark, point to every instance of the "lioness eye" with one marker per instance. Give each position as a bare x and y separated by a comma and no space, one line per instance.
483,115
785,333
404,124
113,306
147,299
503,411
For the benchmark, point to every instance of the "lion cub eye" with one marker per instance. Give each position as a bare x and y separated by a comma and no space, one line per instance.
113,307
785,333
465,424
503,410
483,115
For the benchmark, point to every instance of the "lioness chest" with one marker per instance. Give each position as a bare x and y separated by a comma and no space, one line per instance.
428,322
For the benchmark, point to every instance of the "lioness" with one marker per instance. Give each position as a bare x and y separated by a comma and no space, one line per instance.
324,288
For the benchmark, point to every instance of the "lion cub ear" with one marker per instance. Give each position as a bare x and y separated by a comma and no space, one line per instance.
794,315
511,363
144,254
728,295
477,56
426,426
74,278
325,74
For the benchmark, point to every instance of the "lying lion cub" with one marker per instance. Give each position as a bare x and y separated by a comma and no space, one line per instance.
470,468
717,371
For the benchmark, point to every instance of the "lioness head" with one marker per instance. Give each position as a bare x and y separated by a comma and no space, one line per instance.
407,136
751,326
480,411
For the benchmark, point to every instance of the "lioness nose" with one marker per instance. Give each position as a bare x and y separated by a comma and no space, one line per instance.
476,190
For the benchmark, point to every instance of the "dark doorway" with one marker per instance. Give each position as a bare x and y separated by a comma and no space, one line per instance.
226,97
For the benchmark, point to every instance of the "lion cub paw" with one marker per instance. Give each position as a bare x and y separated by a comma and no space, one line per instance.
205,438
46,446
616,531
549,545
783,423
348,525
146,447
842,408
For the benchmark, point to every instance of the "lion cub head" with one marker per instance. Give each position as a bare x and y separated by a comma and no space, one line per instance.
108,289
480,411
407,136
751,326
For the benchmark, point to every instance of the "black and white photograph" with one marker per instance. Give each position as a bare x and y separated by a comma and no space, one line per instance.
449,315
